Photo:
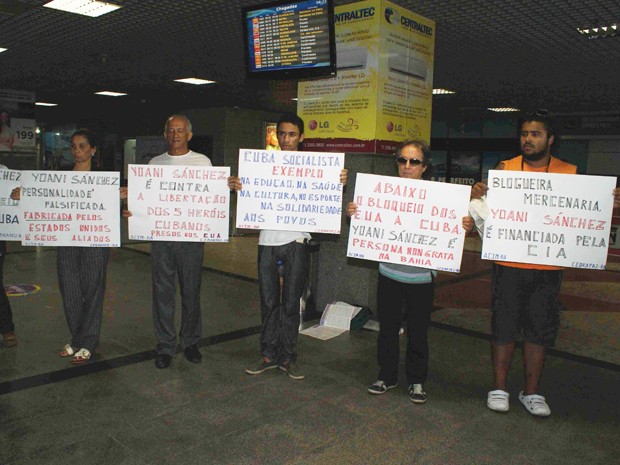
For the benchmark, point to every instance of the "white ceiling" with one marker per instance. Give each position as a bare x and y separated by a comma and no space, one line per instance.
525,54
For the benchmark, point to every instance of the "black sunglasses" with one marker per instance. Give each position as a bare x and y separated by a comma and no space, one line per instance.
539,113
412,161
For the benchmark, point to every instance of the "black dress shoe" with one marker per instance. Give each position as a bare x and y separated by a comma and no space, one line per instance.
162,360
193,354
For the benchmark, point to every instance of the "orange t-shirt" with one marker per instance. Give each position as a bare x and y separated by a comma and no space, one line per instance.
555,166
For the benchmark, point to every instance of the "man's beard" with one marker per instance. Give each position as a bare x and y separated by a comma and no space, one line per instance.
535,156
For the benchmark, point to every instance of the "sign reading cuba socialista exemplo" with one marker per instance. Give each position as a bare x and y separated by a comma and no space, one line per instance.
290,191
178,203
409,221
548,219
72,208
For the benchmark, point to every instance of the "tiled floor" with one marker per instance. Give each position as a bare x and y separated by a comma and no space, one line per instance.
120,410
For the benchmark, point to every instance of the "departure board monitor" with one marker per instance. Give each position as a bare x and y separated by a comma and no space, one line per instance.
290,39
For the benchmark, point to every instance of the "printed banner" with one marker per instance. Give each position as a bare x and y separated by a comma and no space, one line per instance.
409,222
70,208
10,230
178,203
290,191
548,219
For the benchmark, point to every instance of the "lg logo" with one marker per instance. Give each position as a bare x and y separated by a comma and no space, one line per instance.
313,124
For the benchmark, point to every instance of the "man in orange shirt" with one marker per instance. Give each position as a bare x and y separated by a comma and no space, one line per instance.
525,298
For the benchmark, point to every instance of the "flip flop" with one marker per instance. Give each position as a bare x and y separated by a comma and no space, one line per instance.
67,351
81,356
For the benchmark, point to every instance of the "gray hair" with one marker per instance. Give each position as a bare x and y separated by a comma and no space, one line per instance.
179,116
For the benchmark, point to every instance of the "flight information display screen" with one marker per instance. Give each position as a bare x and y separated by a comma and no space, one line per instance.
293,39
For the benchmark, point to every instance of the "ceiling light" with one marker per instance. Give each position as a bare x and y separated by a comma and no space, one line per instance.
90,8
45,104
443,92
599,32
109,93
3,49
195,81
503,109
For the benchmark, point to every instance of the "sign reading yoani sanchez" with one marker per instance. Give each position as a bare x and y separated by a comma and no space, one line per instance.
70,208
548,218
178,203
290,191
10,229
409,222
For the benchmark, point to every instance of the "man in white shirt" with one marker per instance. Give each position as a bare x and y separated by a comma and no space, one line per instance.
171,259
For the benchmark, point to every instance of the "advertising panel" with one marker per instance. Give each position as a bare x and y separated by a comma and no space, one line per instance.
382,93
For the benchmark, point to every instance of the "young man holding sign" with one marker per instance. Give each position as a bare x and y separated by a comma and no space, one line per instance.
282,276
525,297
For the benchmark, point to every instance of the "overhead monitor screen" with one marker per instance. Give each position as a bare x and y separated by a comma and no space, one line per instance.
290,39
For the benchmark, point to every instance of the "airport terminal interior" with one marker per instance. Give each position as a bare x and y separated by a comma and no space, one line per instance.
119,409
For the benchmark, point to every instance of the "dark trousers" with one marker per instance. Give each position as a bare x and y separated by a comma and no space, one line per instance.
169,261
6,315
81,277
417,300
280,307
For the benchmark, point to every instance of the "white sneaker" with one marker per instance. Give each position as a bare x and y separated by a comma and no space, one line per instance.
498,400
535,404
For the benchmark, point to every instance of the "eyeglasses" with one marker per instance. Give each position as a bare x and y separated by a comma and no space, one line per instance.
411,161
540,112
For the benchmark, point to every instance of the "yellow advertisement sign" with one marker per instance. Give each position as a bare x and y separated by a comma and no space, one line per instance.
405,87
369,107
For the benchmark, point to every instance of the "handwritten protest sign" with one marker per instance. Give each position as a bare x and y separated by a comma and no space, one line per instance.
409,221
290,191
70,208
10,230
178,203
548,219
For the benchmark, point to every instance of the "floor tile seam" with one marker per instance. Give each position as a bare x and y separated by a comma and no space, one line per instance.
550,351
206,268
8,387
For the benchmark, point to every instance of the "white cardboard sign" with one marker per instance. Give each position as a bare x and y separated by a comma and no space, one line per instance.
548,218
409,222
290,191
10,230
178,203
70,208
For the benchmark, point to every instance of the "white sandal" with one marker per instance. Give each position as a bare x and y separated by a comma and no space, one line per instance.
81,356
67,351
498,401
535,404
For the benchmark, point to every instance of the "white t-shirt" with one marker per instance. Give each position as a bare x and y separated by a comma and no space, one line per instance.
274,238
189,159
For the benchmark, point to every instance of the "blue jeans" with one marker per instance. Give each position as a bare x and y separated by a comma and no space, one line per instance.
280,306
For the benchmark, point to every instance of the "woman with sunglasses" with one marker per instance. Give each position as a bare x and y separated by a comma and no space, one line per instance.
408,286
